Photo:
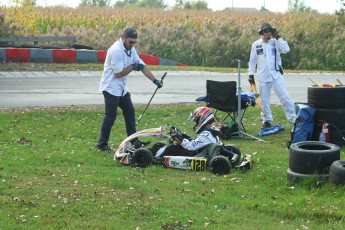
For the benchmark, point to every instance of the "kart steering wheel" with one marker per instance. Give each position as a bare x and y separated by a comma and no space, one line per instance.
175,130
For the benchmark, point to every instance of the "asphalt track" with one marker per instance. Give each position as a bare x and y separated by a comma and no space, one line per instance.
55,89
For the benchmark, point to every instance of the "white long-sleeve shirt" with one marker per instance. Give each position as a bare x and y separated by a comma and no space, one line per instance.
266,57
116,60
203,139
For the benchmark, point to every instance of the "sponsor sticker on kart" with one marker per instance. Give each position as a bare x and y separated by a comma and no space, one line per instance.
190,163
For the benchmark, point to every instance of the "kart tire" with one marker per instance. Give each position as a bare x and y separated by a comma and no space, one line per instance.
295,177
220,165
234,149
337,172
312,157
327,97
141,158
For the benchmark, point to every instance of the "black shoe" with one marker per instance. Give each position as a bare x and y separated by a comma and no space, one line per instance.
140,144
266,125
104,148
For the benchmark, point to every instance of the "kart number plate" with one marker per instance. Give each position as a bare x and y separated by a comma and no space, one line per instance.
198,164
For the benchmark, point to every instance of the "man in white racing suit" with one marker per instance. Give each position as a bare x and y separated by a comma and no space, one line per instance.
265,55
206,134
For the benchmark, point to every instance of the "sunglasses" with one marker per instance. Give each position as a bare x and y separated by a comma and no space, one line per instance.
132,42
268,30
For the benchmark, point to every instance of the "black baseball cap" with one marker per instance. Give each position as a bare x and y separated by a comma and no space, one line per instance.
265,26
130,33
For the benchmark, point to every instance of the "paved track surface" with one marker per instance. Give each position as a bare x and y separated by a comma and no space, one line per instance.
51,89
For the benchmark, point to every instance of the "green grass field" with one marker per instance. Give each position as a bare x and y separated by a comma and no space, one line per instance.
52,177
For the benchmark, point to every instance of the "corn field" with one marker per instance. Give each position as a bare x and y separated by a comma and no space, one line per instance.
198,38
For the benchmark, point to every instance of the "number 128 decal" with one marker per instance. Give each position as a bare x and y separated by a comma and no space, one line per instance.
198,164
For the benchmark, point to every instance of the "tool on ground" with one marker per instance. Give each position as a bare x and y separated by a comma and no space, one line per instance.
325,84
150,100
313,82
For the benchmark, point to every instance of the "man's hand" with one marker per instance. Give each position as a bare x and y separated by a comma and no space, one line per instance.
176,137
275,33
251,80
158,83
137,66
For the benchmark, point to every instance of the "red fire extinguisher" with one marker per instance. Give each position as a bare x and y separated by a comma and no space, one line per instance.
325,131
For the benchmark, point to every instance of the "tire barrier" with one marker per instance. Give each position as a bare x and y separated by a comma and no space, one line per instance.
64,56
41,55
311,159
81,54
337,172
295,177
18,55
327,97
331,108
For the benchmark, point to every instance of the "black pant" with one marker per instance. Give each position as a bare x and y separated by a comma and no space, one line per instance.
111,103
178,150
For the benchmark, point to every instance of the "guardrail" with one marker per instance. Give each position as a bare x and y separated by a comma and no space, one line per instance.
35,40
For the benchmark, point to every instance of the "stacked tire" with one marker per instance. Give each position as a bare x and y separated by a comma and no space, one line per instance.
311,159
337,172
330,104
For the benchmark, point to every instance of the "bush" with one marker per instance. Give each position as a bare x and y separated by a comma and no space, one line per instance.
193,37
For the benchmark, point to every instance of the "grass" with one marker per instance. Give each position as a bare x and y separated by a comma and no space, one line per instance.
53,178
97,67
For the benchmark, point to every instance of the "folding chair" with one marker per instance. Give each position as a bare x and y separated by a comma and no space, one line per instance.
221,95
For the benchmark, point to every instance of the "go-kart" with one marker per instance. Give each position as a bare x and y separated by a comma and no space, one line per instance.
218,158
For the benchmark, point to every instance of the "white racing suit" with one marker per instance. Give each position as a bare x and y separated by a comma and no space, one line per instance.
190,147
266,57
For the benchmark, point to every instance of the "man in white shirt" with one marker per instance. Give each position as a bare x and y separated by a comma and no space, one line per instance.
265,55
122,58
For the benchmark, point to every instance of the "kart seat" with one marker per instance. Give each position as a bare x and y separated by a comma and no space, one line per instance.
208,151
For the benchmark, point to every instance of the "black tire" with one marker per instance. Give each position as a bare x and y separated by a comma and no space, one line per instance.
327,97
312,157
337,172
220,165
295,177
234,149
81,47
141,158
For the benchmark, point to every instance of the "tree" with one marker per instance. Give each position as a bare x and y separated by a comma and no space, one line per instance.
200,5
94,3
124,3
299,6
142,3
152,3
23,2
342,6
187,4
